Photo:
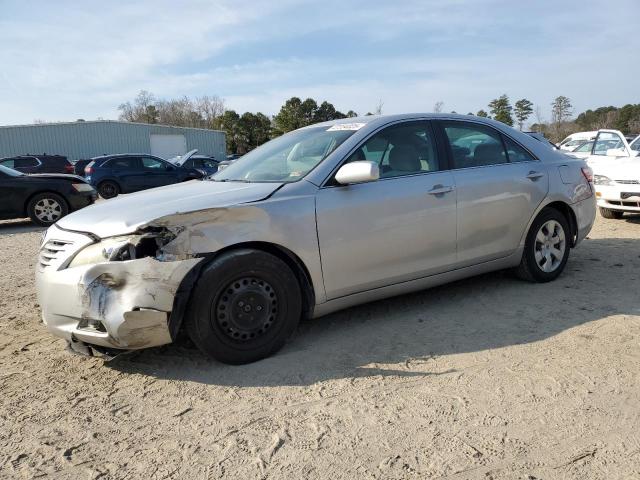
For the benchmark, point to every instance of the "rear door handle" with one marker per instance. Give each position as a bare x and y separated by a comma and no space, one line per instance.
533,176
440,190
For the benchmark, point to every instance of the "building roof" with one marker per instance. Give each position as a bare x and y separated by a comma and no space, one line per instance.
90,122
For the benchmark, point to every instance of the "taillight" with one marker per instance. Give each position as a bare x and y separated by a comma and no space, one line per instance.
588,174
69,169
88,170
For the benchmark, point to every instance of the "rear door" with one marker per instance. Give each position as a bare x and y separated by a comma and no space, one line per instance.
499,184
398,228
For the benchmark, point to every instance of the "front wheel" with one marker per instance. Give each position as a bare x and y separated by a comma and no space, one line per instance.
612,214
244,306
546,248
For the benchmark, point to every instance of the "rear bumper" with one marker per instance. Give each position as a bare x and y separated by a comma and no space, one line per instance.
116,305
585,212
81,200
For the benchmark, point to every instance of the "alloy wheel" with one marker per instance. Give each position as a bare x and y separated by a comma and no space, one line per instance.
550,246
48,210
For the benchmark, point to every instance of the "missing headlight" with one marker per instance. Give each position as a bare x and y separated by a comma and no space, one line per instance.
120,249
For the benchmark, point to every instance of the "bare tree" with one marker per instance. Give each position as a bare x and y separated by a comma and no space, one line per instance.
437,107
378,110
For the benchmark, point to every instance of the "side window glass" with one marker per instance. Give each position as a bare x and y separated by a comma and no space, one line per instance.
585,147
474,145
636,145
8,163
123,163
153,164
25,162
516,153
403,149
606,141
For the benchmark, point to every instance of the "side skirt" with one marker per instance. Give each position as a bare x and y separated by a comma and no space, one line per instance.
340,303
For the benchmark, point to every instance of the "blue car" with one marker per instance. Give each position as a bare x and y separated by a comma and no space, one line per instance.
131,172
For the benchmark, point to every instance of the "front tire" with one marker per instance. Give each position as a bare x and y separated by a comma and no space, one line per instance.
611,214
546,248
46,209
244,306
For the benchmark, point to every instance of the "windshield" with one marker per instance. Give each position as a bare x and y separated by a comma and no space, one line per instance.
10,171
635,145
287,158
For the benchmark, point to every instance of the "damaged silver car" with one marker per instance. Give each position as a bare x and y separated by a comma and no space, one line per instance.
322,218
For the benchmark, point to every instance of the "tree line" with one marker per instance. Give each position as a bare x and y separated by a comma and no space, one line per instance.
248,130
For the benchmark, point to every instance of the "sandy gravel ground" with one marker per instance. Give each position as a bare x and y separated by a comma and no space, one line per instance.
486,378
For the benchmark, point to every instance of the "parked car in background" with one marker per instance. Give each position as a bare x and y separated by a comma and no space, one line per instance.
234,156
575,140
205,164
319,219
38,164
618,187
78,167
44,197
609,146
131,172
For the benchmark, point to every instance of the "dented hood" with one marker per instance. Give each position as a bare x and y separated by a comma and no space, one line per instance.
126,213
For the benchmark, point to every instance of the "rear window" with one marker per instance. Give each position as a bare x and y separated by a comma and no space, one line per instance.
25,162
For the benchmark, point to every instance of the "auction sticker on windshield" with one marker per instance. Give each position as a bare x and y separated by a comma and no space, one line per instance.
346,126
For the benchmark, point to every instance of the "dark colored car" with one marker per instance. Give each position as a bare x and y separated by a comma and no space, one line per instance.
206,164
38,163
131,172
78,167
45,197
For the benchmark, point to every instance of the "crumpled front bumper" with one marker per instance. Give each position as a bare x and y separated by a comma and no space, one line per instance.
121,305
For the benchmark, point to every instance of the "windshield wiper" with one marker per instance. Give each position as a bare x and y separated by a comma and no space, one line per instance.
231,180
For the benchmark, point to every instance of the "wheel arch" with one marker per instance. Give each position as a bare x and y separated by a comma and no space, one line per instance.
293,261
569,214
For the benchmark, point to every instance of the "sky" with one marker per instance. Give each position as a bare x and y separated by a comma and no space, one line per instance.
64,60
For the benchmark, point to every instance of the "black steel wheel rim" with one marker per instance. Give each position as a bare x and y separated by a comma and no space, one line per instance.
107,190
246,309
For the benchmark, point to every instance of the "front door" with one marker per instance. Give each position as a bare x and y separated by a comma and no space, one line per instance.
499,184
398,228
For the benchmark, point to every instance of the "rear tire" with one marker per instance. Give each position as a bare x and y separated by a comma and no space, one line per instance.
244,306
546,249
611,214
46,209
108,189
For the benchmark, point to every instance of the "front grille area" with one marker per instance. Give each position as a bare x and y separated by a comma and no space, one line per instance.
624,203
53,252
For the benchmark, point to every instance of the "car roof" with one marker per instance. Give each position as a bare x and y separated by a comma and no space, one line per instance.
117,155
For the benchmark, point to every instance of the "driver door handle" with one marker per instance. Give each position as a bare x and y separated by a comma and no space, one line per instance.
440,190
533,175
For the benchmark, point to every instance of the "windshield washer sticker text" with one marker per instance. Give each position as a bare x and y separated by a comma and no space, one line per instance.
346,126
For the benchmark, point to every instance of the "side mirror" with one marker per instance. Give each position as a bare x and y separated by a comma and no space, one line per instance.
358,172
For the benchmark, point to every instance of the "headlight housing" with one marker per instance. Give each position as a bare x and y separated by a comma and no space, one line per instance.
119,249
82,187
602,180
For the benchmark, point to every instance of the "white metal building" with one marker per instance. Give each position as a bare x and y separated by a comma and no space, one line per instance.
77,140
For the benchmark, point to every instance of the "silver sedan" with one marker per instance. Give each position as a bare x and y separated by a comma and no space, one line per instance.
322,218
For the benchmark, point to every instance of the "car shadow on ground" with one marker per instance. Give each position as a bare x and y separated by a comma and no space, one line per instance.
11,227
391,337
